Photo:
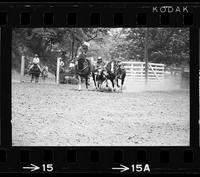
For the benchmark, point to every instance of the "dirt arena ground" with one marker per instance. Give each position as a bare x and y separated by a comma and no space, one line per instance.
47,114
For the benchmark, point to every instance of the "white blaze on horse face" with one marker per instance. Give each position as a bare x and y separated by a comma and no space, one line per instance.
112,67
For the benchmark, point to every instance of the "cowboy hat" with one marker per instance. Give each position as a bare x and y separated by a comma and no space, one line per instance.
86,44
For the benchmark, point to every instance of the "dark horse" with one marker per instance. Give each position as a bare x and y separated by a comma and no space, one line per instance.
99,75
115,72
121,74
35,73
83,70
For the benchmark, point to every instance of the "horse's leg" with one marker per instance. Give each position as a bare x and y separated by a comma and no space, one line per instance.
94,80
36,79
32,77
117,82
86,82
122,82
113,82
106,82
79,82
113,85
123,78
99,85
99,82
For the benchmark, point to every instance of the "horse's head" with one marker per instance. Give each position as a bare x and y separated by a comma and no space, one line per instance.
112,66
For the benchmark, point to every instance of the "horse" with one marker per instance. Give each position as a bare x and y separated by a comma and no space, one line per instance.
35,73
44,73
99,76
120,74
83,70
115,72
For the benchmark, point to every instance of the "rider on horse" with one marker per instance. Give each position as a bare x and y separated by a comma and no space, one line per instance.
62,64
83,65
82,53
100,64
36,62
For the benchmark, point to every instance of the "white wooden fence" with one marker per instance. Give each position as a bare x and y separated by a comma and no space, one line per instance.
136,70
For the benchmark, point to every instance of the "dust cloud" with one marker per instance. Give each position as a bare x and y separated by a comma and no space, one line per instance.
169,83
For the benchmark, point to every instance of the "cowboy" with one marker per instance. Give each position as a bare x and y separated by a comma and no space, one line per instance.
82,53
36,61
100,64
62,66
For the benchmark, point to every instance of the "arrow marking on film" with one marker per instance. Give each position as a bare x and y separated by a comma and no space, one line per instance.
122,168
32,168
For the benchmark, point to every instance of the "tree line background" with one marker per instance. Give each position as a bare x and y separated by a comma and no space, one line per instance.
165,45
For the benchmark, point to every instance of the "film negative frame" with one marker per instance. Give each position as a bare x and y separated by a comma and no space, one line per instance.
99,159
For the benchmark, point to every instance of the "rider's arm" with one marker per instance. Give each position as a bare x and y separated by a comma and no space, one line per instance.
78,57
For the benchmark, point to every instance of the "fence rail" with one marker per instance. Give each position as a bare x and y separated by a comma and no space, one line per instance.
136,70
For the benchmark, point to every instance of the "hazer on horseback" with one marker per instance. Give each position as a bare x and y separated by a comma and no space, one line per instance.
99,73
115,71
35,69
83,65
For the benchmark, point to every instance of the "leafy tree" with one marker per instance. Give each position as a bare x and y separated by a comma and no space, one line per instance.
165,45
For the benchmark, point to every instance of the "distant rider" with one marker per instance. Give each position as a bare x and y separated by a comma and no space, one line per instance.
62,66
36,61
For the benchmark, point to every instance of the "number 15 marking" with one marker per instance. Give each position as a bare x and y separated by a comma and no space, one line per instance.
47,167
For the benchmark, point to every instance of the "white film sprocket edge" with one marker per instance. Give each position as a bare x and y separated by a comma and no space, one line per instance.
100,87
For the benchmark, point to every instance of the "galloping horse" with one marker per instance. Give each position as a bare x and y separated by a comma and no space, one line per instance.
35,73
99,75
121,74
83,70
115,72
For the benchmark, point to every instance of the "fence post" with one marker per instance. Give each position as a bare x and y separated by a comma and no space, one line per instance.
58,70
22,68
